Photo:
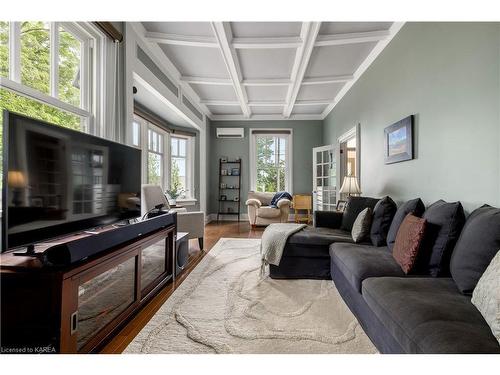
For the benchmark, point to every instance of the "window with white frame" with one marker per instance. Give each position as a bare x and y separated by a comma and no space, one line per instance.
271,160
168,158
48,71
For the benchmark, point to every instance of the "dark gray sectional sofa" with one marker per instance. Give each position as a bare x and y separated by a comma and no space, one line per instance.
415,313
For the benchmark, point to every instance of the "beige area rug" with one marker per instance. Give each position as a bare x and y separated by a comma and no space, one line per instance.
223,306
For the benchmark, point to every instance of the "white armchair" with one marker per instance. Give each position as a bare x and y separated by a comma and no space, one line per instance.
190,222
261,213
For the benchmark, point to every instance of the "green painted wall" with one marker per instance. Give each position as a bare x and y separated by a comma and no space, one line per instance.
448,76
306,135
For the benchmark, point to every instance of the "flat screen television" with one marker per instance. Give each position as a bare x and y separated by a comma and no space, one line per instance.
58,181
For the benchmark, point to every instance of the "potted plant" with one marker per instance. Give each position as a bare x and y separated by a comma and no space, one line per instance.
176,189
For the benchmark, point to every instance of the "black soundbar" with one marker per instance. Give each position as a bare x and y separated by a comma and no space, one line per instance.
72,252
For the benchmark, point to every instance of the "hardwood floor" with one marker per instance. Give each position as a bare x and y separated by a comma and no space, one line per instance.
213,232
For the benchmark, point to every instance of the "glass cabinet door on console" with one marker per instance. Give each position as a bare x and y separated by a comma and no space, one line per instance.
155,265
103,298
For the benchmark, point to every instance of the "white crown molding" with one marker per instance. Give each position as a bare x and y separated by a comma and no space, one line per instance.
351,38
379,47
327,79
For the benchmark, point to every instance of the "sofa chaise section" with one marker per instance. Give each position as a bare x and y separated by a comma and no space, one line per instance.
428,315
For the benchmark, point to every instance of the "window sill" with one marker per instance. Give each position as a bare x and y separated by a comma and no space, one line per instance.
187,201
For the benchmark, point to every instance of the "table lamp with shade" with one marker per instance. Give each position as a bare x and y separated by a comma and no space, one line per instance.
350,186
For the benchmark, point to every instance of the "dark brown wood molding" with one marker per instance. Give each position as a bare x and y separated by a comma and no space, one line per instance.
110,30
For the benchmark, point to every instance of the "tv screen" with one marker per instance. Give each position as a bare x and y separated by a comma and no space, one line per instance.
58,181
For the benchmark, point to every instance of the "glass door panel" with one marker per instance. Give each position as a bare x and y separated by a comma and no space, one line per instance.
103,298
324,179
154,263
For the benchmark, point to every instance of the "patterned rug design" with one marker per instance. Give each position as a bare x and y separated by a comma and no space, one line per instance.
224,306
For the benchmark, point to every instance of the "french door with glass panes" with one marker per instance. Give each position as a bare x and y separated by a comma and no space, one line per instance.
324,178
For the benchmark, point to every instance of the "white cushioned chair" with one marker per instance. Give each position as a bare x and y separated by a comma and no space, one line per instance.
190,222
261,213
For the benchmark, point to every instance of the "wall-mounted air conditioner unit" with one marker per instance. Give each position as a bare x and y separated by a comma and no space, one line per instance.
230,132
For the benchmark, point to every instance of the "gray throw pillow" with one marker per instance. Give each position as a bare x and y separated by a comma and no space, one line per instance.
486,296
361,227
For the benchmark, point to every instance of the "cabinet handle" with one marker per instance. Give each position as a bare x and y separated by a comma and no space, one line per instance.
74,322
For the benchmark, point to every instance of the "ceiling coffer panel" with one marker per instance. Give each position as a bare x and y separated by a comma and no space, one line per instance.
266,63
319,92
265,29
328,28
262,93
180,28
214,92
225,109
338,60
308,109
196,61
267,110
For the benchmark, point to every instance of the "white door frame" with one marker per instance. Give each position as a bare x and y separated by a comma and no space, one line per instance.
353,132
315,170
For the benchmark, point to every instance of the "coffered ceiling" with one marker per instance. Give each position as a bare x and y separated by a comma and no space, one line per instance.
269,70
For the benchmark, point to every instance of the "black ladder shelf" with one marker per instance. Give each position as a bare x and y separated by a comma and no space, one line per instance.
226,206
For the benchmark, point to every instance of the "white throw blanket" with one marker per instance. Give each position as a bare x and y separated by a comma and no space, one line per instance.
273,242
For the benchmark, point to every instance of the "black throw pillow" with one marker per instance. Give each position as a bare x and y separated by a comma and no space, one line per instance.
444,225
415,207
476,247
353,207
383,213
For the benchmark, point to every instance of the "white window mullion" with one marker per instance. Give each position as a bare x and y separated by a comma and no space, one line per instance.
15,52
54,60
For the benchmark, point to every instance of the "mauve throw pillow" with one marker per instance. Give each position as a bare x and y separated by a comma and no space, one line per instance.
383,213
415,207
444,225
476,247
408,242
361,226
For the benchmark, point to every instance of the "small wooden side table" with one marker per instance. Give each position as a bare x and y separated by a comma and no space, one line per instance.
302,202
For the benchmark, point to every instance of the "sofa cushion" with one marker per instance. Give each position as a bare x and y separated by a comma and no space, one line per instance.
358,262
428,315
486,296
415,207
444,224
408,241
361,226
383,213
267,212
476,247
353,207
310,236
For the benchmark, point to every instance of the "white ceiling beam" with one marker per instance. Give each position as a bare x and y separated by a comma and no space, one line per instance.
264,43
266,103
351,38
379,47
313,102
223,34
182,40
266,117
207,80
256,103
327,79
267,82
308,34
220,102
